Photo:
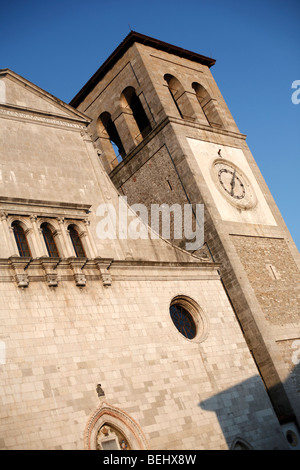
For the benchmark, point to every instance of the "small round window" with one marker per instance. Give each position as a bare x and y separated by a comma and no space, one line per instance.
183,321
188,318
292,438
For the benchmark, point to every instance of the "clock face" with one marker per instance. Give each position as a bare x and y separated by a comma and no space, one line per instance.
233,184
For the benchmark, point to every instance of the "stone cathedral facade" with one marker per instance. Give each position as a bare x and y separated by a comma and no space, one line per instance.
136,342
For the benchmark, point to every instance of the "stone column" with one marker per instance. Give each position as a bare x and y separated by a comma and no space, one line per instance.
65,238
9,236
36,238
127,130
89,242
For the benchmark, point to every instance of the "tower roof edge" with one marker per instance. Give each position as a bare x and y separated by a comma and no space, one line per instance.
129,40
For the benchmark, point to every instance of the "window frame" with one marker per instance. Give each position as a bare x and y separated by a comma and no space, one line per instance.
196,312
72,228
19,243
46,225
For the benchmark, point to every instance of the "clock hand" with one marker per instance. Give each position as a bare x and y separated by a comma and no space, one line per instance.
232,183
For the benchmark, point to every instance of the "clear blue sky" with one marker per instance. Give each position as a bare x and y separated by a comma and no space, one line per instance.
58,45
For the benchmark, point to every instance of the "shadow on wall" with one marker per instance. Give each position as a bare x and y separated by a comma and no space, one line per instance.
246,416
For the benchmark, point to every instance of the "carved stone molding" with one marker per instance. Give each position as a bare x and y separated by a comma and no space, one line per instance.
22,280
103,266
41,119
113,416
80,279
52,279
77,264
20,265
106,278
49,265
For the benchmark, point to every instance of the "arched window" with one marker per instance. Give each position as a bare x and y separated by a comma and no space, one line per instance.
138,111
179,97
174,89
208,105
78,247
49,241
110,428
113,134
21,239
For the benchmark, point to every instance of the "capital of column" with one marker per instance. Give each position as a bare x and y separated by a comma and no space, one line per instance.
33,217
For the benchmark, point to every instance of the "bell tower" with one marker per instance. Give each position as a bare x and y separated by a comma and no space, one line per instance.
165,135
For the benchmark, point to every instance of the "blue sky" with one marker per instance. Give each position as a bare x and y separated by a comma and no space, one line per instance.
58,45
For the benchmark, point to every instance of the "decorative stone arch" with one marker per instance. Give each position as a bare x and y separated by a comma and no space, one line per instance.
78,224
28,231
17,218
52,222
120,421
54,227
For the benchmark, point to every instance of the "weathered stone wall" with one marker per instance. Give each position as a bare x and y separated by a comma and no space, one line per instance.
273,275
60,343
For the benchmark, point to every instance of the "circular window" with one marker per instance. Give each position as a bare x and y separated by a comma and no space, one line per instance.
292,438
188,318
183,321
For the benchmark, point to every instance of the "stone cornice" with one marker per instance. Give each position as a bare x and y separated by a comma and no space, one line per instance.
48,119
20,206
106,271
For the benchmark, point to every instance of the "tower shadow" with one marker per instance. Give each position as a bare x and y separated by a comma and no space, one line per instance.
248,419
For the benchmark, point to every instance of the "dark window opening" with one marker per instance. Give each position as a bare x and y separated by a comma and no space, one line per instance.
175,90
49,241
138,111
180,98
113,134
208,105
21,240
183,321
79,250
140,115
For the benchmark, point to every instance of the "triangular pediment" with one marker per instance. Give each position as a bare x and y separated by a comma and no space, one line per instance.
17,92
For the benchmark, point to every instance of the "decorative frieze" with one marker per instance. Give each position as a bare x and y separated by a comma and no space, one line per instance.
40,119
